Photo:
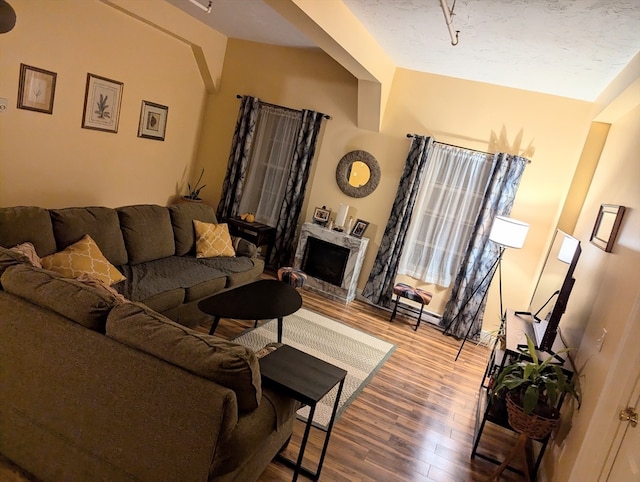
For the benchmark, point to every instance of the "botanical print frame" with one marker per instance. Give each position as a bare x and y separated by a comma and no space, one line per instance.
153,121
321,216
359,228
36,89
102,101
607,226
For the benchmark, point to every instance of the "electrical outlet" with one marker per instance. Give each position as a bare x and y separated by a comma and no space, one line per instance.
600,341
3,104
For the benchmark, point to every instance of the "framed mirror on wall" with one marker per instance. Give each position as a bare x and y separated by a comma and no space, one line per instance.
358,174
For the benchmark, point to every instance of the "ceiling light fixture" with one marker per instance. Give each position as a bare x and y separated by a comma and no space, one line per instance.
202,7
448,14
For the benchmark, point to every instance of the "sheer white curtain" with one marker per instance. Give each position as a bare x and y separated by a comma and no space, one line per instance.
270,163
445,212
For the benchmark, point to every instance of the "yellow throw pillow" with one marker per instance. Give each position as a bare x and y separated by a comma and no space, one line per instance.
83,257
212,240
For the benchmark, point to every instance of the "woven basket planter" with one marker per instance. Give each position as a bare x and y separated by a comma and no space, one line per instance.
533,426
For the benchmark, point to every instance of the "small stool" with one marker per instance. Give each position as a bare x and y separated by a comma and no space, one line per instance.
293,276
402,290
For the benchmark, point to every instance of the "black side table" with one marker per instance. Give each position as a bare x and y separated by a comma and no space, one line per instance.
307,379
258,233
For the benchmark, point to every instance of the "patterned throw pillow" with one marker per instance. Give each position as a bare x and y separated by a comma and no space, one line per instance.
81,257
212,240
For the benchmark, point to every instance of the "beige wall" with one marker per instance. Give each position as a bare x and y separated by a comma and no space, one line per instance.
49,160
607,286
549,130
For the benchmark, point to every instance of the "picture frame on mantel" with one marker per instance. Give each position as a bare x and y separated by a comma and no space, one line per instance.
102,100
359,228
605,230
36,89
153,120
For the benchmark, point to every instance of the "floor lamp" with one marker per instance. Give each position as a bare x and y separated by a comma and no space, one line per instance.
507,233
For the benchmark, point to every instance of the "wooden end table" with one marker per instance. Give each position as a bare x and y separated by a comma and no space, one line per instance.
261,300
306,379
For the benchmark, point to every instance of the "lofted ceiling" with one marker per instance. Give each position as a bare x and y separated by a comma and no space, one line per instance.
570,48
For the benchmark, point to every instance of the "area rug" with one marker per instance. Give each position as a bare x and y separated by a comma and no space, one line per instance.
355,351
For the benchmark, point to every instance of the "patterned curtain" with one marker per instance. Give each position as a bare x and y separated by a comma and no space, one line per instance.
305,148
482,254
379,287
238,163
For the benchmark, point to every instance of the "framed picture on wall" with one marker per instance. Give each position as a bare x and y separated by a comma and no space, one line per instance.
153,121
359,228
607,226
36,89
102,101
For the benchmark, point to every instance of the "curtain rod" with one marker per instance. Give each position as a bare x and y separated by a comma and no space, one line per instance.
460,147
326,116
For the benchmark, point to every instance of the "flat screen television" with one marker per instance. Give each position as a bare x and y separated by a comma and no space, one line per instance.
550,298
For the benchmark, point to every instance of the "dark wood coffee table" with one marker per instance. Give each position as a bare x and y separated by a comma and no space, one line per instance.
261,300
307,379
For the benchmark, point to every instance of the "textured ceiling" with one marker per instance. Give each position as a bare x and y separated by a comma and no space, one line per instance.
571,48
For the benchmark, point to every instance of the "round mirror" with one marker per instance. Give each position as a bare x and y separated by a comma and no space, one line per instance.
358,174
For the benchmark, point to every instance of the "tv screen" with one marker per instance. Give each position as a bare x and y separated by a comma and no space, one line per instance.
550,298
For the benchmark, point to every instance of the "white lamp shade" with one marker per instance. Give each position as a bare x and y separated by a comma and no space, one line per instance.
567,249
508,232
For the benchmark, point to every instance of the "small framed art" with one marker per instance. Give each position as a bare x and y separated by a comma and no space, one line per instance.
153,121
321,216
359,228
102,101
607,226
36,89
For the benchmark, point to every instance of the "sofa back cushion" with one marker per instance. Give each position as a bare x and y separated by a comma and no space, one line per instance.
182,217
71,224
228,364
147,232
27,223
85,304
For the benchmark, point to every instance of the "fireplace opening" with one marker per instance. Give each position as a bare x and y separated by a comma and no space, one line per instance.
325,261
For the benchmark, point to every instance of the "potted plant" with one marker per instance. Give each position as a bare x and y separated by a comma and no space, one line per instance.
532,389
194,192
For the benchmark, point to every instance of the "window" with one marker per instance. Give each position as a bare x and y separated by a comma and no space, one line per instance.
270,163
445,213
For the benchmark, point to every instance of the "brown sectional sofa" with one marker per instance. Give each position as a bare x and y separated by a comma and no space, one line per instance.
153,246
99,388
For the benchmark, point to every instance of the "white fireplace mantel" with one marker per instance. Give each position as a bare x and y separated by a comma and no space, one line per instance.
357,247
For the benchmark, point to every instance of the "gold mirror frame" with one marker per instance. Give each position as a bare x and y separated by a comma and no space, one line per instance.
343,169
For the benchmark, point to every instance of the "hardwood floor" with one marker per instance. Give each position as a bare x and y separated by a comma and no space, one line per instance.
414,421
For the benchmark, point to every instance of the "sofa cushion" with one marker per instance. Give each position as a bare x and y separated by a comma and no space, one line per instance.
212,240
239,270
83,257
147,280
182,216
147,232
228,364
27,223
101,223
84,304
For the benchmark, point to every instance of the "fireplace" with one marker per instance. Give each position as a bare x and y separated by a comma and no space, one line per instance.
325,260
331,260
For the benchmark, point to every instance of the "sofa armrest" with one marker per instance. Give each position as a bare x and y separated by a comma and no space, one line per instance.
244,247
